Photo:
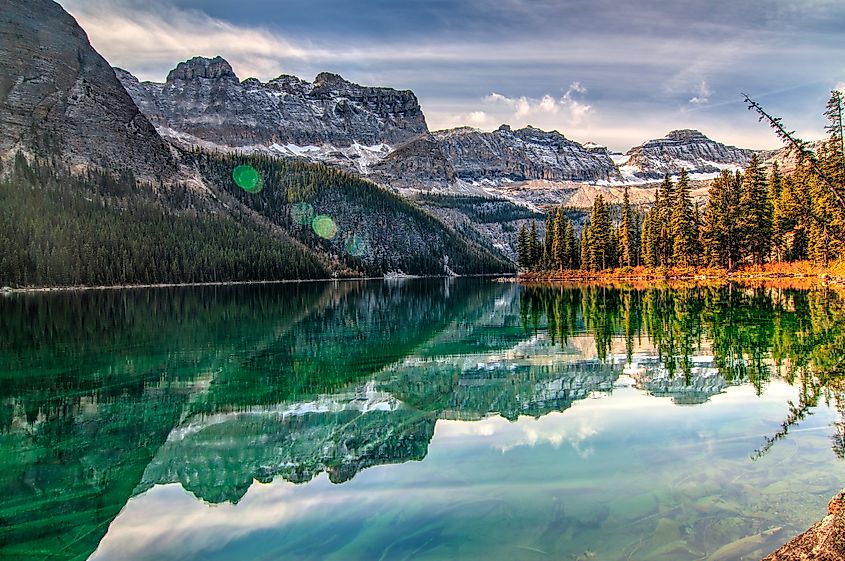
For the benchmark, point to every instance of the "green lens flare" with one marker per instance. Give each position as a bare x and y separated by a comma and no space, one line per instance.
247,178
302,214
324,227
354,246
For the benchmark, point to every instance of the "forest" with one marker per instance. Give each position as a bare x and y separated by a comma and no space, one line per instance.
98,228
103,227
751,217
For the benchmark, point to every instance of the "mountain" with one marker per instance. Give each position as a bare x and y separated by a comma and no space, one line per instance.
203,102
521,155
688,149
59,96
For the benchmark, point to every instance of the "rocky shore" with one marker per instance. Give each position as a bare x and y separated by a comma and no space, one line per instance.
824,541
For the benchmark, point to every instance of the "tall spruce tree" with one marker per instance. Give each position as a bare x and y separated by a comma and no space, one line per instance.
650,245
664,224
755,218
571,258
586,251
535,249
601,235
559,244
775,191
548,241
627,233
523,251
721,237
684,231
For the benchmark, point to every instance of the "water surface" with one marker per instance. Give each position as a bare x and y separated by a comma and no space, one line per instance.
422,419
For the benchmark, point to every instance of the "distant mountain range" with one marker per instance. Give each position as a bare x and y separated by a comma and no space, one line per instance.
382,133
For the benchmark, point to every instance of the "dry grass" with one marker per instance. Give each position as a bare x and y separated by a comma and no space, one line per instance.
794,273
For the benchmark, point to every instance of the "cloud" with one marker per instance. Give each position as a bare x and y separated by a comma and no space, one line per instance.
702,94
573,111
140,40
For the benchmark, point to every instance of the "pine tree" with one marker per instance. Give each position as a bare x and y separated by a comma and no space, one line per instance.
627,233
650,245
720,235
683,230
664,224
586,251
570,258
535,250
560,249
755,218
778,222
548,241
601,236
522,249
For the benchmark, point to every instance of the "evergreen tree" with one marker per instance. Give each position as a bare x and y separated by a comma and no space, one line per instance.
560,247
650,245
664,221
755,217
548,241
535,249
523,251
571,257
778,222
721,237
627,233
601,236
586,251
684,232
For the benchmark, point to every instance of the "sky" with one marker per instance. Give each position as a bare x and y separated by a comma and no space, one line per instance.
614,72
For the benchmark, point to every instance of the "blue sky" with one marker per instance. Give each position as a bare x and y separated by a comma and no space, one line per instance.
611,71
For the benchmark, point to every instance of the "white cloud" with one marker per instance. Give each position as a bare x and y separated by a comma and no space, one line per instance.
702,94
522,108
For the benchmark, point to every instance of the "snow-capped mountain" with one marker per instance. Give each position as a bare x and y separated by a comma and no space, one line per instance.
203,102
522,155
687,149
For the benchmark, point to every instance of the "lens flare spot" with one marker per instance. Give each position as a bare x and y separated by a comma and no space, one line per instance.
324,227
302,214
355,246
247,178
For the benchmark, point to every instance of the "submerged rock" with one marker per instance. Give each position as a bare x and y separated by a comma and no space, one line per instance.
824,541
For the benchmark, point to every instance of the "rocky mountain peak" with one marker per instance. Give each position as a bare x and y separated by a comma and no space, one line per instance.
202,102
216,68
521,155
683,149
58,95
329,79
687,135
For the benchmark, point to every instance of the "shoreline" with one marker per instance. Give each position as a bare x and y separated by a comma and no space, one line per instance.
801,271
6,290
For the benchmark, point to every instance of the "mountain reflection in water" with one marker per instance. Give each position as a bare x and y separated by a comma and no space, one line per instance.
105,396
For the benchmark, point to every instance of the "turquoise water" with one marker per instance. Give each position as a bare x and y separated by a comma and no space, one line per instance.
418,420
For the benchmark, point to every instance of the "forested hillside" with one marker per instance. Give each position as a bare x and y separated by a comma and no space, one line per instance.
362,225
297,221
97,229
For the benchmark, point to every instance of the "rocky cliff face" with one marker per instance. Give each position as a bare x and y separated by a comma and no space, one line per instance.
58,95
688,149
520,155
203,100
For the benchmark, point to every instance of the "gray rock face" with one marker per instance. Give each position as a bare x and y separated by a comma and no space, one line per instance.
203,98
57,94
521,155
688,149
414,164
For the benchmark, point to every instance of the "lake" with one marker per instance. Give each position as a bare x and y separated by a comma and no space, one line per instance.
418,419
